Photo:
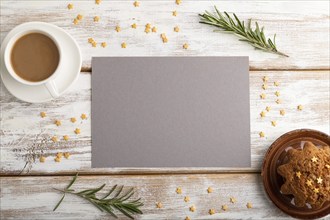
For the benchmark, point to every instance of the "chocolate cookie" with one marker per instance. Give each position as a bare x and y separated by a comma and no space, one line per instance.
307,175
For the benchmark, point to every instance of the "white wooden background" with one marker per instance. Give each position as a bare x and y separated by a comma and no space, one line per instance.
302,29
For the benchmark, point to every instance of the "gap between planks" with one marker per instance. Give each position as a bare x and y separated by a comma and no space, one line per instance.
127,174
88,70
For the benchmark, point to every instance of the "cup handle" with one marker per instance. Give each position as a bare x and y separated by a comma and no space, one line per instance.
52,88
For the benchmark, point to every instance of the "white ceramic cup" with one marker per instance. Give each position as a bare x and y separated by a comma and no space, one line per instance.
49,83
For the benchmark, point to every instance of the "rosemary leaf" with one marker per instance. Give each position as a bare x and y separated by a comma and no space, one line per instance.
59,202
72,181
255,38
119,201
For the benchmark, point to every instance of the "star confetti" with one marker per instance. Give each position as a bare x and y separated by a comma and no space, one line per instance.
314,159
319,180
249,205
298,174
136,4
211,211
233,200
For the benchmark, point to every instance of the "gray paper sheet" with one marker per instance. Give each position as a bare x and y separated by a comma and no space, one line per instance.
170,112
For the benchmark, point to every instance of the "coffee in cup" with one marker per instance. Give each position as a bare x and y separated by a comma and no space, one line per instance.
33,57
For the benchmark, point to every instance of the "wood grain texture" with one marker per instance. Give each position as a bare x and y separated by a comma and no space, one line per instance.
302,29
34,197
22,129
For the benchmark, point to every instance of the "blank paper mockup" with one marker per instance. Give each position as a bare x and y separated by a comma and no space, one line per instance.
170,112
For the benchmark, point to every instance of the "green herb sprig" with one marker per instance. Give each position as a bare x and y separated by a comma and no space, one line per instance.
255,38
119,201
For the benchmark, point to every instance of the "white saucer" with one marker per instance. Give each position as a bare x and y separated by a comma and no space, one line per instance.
70,65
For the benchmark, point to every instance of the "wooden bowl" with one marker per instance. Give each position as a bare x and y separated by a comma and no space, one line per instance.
276,156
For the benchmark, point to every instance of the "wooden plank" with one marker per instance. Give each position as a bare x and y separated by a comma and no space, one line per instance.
35,197
22,129
301,28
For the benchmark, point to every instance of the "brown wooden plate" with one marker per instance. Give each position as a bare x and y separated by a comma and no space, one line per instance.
276,156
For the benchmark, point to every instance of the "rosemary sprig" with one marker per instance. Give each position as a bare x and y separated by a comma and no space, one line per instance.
255,38
119,201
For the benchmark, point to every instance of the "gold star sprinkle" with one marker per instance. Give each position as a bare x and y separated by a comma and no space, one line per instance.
175,13
274,123
54,139
59,155
43,114
154,29
118,29
96,19
249,205
209,190
300,107
192,208
176,29
278,101
276,83
42,159
178,190
75,21
80,17
94,44
178,2
298,174
187,218
77,131
262,114
268,108
316,190
164,38
264,86
282,112
277,93
66,155
136,4
147,30
66,137
211,211
97,2
133,26
148,25
57,159
224,207
90,40
159,205
263,96
58,123
233,200
123,45
70,6
309,183
103,44
73,120
261,134
83,116
185,46
186,199
314,159
265,79
319,180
